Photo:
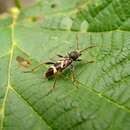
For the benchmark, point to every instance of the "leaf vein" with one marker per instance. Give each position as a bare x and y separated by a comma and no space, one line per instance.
32,108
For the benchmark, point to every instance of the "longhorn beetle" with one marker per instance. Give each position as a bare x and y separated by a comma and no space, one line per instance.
63,63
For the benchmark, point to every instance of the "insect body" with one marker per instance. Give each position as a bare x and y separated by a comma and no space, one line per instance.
65,62
58,67
62,64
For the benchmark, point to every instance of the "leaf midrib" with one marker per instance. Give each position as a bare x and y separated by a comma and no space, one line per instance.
10,54
9,74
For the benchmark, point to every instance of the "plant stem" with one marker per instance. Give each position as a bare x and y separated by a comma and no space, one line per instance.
18,3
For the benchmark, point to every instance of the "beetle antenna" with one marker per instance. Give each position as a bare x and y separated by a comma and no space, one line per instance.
86,49
77,41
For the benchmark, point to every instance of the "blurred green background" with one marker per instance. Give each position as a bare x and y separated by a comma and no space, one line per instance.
5,4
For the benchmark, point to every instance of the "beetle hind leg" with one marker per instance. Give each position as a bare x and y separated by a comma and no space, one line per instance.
53,87
38,67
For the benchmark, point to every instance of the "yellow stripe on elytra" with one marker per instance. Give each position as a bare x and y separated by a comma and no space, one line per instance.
54,69
62,64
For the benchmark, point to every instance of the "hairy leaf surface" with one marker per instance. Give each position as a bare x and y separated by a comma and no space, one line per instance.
99,99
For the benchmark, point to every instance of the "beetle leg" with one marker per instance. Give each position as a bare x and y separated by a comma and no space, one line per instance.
85,62
73,74
60,56
38,67
79,60
53,87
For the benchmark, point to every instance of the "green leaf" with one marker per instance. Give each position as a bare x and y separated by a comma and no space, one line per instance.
99,98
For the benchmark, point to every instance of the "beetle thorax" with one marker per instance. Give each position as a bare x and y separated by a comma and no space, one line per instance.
74,55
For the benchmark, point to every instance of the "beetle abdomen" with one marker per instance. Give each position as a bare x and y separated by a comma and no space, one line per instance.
49,72
58,67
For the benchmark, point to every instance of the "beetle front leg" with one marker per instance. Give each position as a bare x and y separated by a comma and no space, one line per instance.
85,62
